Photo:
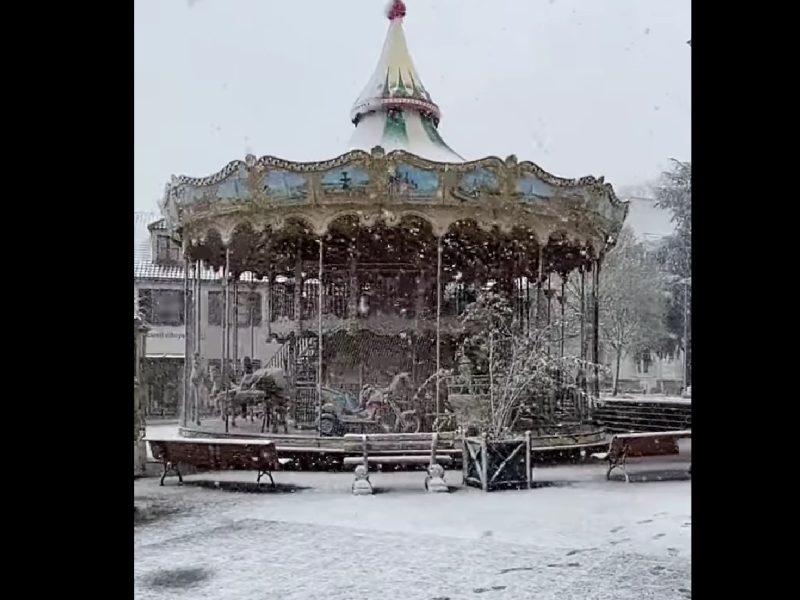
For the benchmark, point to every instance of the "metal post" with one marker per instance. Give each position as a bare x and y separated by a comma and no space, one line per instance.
438,319
298,290
250,303
236,326
549,295
528,466
187,343
319,333
685,334
352,304
484,466
539,283
198,307
528,301
197,332
583,313
269,304
596,325
225,308
563,303
224,322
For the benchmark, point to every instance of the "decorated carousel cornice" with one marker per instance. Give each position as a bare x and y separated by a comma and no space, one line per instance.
268,192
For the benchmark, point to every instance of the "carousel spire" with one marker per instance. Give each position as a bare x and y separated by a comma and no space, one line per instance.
395,111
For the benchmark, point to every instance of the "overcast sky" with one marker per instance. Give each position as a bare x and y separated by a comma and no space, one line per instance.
580,87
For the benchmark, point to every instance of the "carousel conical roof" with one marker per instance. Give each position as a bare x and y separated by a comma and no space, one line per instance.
395,111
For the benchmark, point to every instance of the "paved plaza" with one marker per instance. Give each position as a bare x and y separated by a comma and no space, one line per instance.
579,537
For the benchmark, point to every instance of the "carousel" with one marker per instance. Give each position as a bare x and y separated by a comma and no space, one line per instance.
371,258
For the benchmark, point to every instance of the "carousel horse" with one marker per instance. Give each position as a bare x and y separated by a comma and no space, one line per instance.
268,386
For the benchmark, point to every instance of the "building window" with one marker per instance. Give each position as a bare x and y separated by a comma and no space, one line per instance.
162,307
167,250
249,304
643,362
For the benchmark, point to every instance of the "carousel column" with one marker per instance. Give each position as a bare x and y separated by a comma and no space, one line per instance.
321,289
527,301
596,326
223,360
196,363
419,308
298,290
251,303
438,320
549,295
352,304
561,376
235,323
563,302
187,342
583,312
540,291
269,304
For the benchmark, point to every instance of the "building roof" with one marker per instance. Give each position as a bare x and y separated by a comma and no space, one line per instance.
395,111
149,270
141,234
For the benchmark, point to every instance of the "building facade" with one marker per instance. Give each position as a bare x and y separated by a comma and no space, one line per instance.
160,299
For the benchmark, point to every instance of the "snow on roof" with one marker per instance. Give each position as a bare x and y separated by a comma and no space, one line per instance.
415,137
395,111
149,270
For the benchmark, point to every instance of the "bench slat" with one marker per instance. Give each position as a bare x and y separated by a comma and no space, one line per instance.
390,447
399,437
397,460
217,455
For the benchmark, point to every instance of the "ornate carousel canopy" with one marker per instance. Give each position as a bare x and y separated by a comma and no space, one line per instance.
409,175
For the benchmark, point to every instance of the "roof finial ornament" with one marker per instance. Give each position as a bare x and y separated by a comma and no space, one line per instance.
396,10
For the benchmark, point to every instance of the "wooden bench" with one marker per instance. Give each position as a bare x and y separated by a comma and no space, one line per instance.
641,445
396,449
217,455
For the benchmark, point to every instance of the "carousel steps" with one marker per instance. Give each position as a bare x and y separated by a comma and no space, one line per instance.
625,416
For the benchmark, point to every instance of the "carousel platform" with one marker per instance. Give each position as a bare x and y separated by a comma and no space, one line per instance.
310,450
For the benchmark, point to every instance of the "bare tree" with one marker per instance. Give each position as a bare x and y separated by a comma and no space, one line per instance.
519,362
632,300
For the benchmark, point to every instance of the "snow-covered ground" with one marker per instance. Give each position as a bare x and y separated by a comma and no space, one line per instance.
584,538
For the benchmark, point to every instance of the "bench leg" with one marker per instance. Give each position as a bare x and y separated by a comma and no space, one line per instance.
612,464
434,480
268,474
361,484
171,468
625,472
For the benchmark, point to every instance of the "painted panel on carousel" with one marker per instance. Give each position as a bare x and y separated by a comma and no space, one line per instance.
412,183
533,189
284,186
477,183
236,187
198,199
345,180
